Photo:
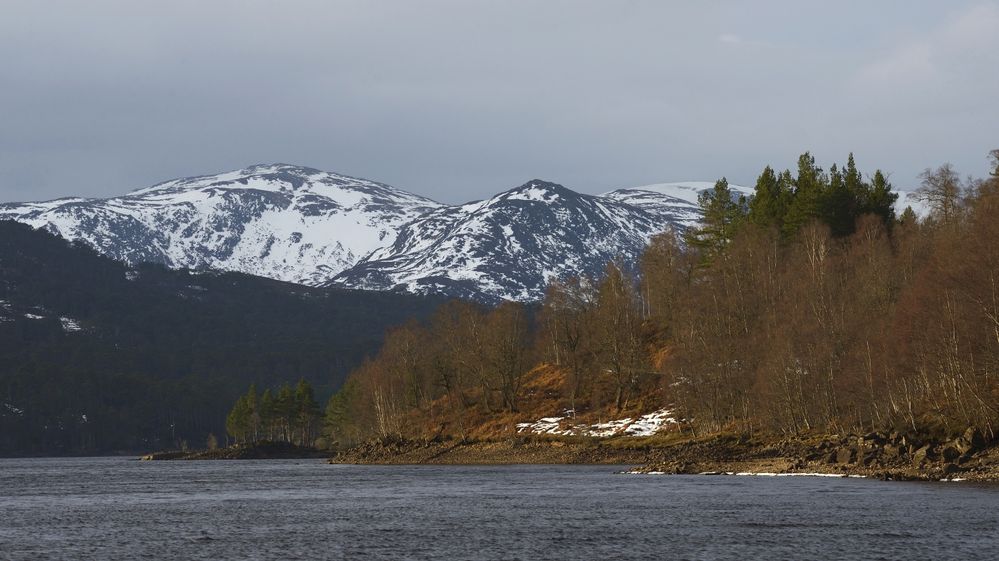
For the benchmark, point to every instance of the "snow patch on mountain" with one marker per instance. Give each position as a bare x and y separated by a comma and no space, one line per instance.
285,222
509,246
318,228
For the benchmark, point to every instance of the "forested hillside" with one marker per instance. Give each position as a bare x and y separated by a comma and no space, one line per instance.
809,306
99,357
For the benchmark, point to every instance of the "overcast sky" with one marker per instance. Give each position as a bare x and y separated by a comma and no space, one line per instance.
459,100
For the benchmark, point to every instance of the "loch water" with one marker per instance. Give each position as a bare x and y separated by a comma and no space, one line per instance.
119,508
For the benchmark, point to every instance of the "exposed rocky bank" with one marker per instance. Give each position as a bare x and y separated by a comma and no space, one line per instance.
889,456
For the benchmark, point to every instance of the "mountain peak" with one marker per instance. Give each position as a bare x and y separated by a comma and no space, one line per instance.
537,190
281,167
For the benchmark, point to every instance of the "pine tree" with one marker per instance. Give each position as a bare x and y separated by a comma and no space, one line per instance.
806,204
286,409
908,217
337,418
253,411
267,414
839,203
308,412
769,204
881,199
722,218
237,423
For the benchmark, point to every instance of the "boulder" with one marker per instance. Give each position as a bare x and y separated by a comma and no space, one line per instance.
873,438
870,459
950,469
920,455
891,451
951,452
974,438
846,455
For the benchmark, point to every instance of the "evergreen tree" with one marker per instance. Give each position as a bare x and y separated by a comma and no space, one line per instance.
881,199
769,204
806,204
839,203
308,412
237,422
722,218
337,419
286,411
267,414
253,410
853,180
908,217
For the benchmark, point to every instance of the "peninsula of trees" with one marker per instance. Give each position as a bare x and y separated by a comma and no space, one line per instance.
809,306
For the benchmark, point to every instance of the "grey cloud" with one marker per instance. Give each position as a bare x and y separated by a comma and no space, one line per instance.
457,100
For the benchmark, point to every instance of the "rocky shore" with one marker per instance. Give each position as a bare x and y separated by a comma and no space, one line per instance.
888,456
257,451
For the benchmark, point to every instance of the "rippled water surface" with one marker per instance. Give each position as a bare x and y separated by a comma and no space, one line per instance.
112,508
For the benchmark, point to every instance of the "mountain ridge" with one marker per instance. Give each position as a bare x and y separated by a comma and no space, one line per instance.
300,224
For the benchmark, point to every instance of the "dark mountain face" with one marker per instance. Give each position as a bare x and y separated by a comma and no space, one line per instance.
98,356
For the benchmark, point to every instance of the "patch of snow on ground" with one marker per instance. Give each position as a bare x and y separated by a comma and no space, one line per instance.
646,425
70,325
34,316
545,425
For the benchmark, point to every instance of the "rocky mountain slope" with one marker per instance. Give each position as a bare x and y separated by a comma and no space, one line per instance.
318,228
511,245
278,221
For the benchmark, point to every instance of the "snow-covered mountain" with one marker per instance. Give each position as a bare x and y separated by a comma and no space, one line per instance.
279,221
511,245
674,202
318,228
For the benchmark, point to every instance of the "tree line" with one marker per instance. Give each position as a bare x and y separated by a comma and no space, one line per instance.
287,415
808,306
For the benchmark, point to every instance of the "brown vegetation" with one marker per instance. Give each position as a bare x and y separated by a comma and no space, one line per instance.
811,308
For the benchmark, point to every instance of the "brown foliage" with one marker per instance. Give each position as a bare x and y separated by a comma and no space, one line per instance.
894,326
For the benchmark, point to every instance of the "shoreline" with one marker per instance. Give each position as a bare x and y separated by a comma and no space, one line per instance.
255,451
873,456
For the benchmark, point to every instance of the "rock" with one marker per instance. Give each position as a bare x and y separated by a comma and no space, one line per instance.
830,458
846,456
891,451
921,455
870,459
873,438
949,469
974,438
951,452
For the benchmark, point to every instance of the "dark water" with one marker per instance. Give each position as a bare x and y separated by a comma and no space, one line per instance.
123,509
